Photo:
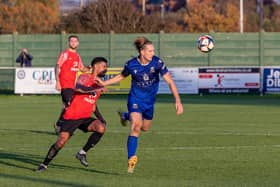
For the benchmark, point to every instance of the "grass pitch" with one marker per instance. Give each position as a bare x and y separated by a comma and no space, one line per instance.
220,141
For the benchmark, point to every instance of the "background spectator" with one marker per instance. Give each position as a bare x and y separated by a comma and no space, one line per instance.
24,58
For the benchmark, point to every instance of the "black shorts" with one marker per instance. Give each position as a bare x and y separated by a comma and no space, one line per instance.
67,96
71,125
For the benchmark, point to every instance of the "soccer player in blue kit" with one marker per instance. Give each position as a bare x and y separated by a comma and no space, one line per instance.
144,70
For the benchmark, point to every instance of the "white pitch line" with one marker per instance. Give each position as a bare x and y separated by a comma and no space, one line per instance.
248,147
184,133
202,133
222,133
210,147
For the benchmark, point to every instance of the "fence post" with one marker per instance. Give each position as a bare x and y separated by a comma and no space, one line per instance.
62,40
161,33
261,47
14,48
14,55
111,42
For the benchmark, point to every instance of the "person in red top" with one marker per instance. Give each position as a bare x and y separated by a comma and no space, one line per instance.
68,64
78,115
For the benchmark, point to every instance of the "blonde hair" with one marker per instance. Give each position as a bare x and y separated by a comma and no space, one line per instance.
141,42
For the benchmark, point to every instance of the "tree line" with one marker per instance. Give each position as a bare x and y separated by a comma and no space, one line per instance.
122,16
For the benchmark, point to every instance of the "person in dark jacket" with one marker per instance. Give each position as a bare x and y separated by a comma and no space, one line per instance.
24,58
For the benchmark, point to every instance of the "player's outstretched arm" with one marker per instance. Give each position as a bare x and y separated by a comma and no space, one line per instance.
88,89
113,80
82,87
172,86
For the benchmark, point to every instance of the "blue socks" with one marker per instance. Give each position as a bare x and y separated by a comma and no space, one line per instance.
132,142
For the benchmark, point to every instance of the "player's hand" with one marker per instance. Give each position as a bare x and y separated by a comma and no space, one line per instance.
179,108
24,50
57,86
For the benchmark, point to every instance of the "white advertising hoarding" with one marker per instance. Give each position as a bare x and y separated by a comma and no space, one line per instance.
229,80
35,80
186,80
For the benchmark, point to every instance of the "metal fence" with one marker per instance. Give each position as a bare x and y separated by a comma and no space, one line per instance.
176,50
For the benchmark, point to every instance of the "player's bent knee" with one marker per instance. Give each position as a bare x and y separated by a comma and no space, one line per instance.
144,129
136,130
101,128
62,140
60,143
97,126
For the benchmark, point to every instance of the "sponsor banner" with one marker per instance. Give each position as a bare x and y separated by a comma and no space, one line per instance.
122,87
271,80
35,81
42,81
186,80
229,80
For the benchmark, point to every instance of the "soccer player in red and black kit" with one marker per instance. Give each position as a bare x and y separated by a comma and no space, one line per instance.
67,65
78,115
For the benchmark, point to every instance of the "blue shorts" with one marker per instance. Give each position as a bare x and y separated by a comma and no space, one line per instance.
145,108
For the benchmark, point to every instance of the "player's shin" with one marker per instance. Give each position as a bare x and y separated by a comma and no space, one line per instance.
92,140
51,154
132,143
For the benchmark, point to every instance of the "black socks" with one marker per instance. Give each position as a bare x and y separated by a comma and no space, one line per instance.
51,154
92,140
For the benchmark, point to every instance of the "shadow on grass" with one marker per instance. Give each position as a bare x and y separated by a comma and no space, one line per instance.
64,167
45,181
31,131
12,159
41,132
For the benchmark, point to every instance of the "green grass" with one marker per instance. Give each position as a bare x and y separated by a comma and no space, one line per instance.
220,141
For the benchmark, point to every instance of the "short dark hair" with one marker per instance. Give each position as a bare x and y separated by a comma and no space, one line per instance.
98,60
72,36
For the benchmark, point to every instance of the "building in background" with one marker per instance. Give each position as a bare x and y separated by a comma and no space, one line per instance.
69,5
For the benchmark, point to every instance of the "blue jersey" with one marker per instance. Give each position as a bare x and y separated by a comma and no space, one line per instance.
144,78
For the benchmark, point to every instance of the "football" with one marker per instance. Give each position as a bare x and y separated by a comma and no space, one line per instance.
205,43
